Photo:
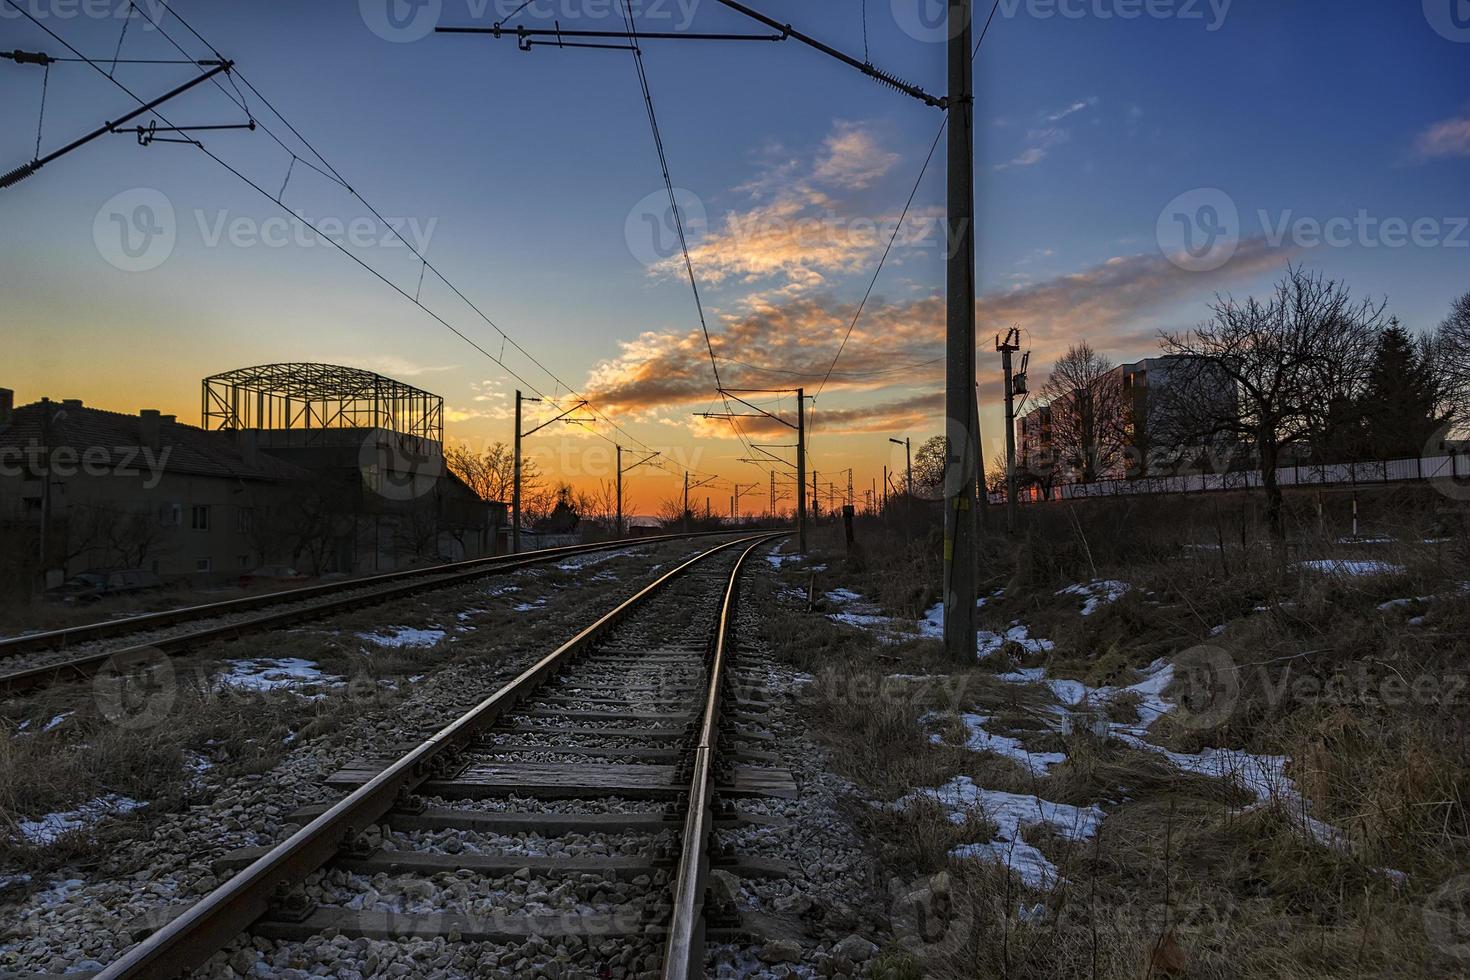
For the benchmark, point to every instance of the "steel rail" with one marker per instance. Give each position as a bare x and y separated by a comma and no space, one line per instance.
188,941
684,950
61,638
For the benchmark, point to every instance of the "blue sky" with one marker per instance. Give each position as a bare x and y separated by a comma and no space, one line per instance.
527,170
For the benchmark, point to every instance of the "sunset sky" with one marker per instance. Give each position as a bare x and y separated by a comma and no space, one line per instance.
532,182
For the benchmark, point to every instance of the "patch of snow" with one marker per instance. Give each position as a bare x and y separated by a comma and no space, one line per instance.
1097,593
1217,630
1351,567
986,642
979,740
50,828
24,728
842,596
502,589
275,674
404,636
1373,540
528,606
596,558
468,614
1011,812
1403,603
777,558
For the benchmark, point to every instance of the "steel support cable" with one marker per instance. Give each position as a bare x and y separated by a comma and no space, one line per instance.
335,175
922,171
663,160
331,173
267,195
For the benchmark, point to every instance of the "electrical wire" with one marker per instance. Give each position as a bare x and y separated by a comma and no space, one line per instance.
922,171
331,173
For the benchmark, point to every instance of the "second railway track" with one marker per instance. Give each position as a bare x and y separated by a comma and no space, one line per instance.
570,810
36,659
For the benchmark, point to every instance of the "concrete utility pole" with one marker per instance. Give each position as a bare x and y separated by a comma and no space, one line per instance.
1006,347
816,499
685,513
801,468
621,470
961,410
515,490
964,439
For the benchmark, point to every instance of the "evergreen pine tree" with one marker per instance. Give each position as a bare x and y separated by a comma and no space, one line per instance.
1399,405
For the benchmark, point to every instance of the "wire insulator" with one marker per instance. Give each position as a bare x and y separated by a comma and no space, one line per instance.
18,174
28,57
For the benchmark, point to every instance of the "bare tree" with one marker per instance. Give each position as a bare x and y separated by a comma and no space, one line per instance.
1451,360
1089,413
491,473
1289,363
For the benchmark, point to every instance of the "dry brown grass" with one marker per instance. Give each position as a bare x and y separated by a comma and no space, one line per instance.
1191,877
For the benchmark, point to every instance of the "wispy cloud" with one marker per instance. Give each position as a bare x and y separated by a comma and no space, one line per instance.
1041,139
802,227
1446,138
901,343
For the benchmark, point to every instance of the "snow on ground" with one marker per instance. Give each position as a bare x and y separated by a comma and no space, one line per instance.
1345,568
1404,603
1097,593
777,558
275,674
1011,813
528,606
596,558
1263,776
50,828
979,740
24,728
986,642
404,636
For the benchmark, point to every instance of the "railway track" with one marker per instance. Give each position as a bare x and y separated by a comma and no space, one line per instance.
569,811
79,651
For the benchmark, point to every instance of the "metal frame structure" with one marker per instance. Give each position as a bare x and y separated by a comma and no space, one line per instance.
318,398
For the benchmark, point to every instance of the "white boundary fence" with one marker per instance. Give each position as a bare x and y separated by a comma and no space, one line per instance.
1453,467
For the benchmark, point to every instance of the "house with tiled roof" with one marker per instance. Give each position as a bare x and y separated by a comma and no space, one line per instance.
89,488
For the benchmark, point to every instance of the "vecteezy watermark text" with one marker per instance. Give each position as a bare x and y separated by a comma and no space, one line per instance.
37,461
928,20
137,230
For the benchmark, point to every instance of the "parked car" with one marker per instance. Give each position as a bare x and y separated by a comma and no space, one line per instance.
104,583
271,575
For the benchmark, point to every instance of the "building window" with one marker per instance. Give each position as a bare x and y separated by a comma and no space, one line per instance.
245,522
199,517
171,515
202,565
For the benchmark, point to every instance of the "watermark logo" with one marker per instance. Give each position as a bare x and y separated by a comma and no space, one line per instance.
136,689
400,467
136,230
923,20
401,21
928,20
652,229
1447,918
926,921
1199,231
1206,687
1449,18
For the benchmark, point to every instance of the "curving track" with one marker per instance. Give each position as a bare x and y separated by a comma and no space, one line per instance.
610,745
